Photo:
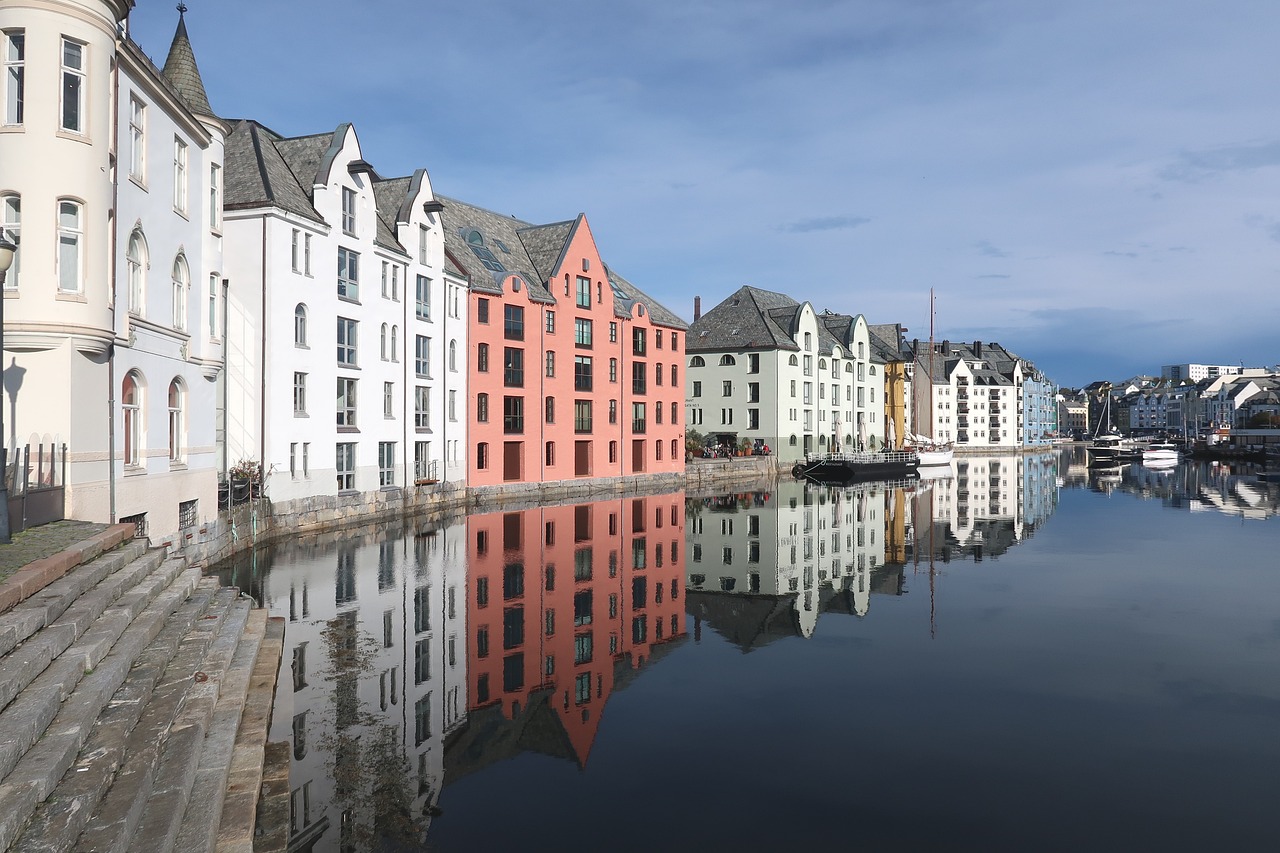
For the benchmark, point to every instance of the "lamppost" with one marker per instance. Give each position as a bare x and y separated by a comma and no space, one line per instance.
7,250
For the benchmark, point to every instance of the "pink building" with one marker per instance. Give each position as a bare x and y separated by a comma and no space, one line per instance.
574,373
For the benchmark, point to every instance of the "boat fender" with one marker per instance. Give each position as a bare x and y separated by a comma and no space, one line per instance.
796,471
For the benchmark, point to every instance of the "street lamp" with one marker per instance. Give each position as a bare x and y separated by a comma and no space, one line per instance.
7,251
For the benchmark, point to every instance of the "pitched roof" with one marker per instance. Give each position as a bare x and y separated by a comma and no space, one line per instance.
626,295
256,175
180,69
750,318
546,245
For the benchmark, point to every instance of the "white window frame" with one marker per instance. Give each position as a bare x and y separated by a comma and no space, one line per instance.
71,92
348,342
181,159
13,62
346,401
344,465
348,274
177,449
422,407
349,211
386,463
423,296
181,280
300,325
11,225
299,393
215,197
137,139
70,246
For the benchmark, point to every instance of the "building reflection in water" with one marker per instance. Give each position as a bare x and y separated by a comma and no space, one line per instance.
766,565
564,604
419,654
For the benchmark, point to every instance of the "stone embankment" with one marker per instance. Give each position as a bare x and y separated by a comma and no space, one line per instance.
135,700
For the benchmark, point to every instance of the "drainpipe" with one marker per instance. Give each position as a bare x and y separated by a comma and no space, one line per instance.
115,233
262,367
226,389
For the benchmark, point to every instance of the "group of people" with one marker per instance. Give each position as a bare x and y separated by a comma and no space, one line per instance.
725,451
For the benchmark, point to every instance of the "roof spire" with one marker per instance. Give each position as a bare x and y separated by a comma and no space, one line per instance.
180,68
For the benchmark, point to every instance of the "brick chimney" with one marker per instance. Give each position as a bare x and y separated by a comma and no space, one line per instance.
697,308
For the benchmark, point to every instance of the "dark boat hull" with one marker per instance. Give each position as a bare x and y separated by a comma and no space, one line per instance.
854,467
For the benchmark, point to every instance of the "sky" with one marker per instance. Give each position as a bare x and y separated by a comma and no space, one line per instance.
1094,184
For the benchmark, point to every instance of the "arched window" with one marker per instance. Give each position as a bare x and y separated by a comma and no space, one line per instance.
11,224
822,364
453,356
70,246
675,447
727,360
384,342
697,361
300,325
793,441
176,444
136,261
793,361
395,343
131,405
181,282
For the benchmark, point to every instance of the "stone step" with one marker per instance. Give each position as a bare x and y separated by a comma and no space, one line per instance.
50,602
271,834
166,807
33,577
24,664
26,716
60,819
104,656
199,660
244,778
201,823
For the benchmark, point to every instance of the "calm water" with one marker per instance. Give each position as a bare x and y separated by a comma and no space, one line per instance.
1018,655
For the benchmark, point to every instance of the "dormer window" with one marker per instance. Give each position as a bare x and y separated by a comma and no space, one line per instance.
476,241
349,211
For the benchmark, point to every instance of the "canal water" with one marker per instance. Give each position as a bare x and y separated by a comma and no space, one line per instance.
1011,654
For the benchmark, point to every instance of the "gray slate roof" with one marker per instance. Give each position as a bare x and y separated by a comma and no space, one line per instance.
750,318
257,175
180,69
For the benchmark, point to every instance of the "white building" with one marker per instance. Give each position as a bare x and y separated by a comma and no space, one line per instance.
112,182
765,367
977,394
340,290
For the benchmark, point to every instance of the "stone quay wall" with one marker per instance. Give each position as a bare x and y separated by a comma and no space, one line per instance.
260,522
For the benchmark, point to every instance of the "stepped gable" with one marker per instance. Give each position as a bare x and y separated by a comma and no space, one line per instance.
488,248
180,69
750,318
257,175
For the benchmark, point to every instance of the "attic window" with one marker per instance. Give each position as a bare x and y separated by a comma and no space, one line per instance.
476,241
735,331
503,246
703,333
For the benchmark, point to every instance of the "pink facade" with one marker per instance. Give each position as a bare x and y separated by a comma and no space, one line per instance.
571,375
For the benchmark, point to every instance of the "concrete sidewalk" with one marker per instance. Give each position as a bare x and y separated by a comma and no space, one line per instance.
36,543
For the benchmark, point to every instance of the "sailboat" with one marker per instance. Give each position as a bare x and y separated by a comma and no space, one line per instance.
930,451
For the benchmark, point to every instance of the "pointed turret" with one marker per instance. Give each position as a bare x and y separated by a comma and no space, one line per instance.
180,69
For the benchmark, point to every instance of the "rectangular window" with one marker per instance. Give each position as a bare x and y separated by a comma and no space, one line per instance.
639,384
345,464
348,211
613,413
551,364
215,196
137,139
179,175
347,342
213,306
584,292
348,274
14,59
637,417
582,367
582,332
551,322
582,416
422,407
11,222
637,341
70,242
482,311
422,295
306,254
388,399
453,405
482,408
346,402
422,460
422,356
513,414
424,242
482,358
613,333
550,405
482,456
73,83
299,393
697,389
513,367
513,322
386,463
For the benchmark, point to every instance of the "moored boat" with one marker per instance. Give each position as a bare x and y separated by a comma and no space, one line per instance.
850,467
1160,452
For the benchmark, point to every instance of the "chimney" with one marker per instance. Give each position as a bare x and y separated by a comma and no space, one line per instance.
697,308
977,348
915,346
946,348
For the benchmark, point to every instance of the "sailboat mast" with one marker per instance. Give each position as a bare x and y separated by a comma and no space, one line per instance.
931,315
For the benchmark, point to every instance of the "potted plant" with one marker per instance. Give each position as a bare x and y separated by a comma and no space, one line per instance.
744,447
246,480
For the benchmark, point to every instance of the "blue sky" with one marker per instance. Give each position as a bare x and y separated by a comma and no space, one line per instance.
1093,184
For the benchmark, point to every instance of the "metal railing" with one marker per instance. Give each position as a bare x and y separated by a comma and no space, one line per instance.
36,477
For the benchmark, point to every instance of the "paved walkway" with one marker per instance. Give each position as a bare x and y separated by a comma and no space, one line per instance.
36,543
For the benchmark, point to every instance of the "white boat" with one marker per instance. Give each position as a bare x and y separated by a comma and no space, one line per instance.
931,452
1160,452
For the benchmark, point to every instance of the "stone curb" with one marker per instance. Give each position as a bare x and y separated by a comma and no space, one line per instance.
36,575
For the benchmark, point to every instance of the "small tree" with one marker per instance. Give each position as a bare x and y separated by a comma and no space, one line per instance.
694,442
